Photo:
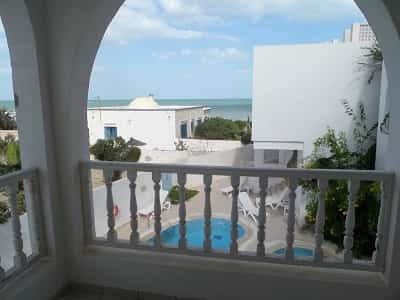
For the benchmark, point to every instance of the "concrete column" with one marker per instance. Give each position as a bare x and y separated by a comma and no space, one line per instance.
75,30
382,17
25,30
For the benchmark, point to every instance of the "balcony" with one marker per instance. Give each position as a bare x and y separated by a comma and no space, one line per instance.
239,214
238,209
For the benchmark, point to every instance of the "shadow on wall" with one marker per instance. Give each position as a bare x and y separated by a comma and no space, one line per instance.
238,157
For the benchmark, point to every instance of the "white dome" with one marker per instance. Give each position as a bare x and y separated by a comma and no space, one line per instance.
143,103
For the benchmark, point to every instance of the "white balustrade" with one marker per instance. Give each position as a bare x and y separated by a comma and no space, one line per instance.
207,245
11,183
134,237
353,188
293,175
235,181
320,222
262,216
289,252
182,211
112,233
157,209
2,272
20,259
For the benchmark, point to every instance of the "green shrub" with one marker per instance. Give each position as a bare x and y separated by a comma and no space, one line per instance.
115,150
6,121
331,151
174,194
218,129
13,154
245,139
5,212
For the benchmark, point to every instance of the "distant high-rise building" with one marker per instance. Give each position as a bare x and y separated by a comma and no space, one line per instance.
359,33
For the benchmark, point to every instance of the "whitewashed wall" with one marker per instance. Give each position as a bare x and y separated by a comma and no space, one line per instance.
297,91
154,127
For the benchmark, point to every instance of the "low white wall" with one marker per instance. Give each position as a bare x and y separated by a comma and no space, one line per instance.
4,133
200,145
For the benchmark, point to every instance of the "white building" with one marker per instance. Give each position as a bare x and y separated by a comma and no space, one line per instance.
298,91
159,127
359,33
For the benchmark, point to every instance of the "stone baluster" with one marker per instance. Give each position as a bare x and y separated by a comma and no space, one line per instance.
112,233
235,181
378,255
262,216
207,179
289,252
33,211
354,186
134,236
156,176
320,222
2,272
182,211
19,258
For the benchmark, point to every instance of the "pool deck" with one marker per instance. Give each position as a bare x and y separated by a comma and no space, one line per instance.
276,226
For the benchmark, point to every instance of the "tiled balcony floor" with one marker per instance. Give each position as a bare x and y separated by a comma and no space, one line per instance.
112,294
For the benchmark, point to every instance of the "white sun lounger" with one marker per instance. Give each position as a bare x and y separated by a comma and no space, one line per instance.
274,201
227,190
247,207
148,209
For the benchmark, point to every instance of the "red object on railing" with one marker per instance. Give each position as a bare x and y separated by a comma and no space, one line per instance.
116,210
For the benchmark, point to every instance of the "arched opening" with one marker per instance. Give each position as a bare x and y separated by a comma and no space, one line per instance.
140,58
10,162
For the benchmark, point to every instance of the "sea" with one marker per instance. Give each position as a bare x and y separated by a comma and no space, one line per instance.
229,108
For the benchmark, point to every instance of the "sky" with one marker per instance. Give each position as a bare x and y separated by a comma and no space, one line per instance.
198,48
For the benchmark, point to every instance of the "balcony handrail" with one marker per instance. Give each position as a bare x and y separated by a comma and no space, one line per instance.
362,175
322,176
22,260
17,175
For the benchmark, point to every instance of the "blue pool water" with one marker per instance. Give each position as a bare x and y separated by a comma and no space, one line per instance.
298,251
220,234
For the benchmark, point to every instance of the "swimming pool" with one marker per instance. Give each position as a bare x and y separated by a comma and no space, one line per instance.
298,251
220,234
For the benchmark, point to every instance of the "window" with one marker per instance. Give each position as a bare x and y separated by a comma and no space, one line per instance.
184,130
110,132
199,120
271,156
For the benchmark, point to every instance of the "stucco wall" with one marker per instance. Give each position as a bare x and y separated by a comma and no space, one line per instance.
298,91
155,128
159,129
